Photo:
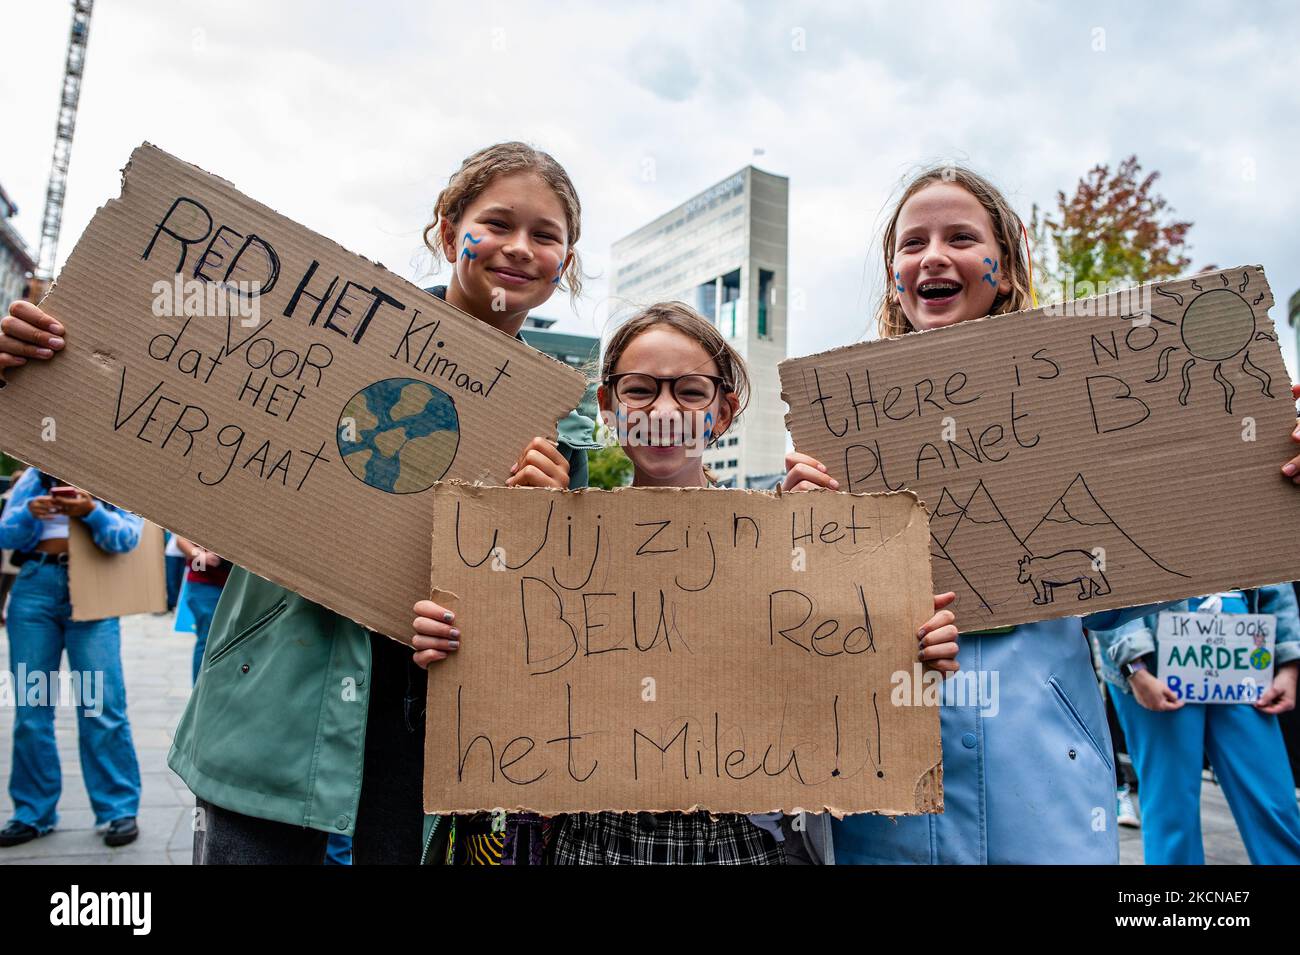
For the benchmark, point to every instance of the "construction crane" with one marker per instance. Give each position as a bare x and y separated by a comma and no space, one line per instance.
54,193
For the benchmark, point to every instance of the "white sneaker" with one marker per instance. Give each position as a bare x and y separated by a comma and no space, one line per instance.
1125,811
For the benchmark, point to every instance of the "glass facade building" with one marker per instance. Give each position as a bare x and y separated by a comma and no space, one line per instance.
725,253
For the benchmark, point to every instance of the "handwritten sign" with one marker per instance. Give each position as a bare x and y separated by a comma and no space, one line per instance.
257,388
1075,458
1216,657
659,649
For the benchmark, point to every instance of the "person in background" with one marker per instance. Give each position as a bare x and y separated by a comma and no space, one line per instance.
8,569
1169,738
280,761
175,563
1126,781
35,524
205,577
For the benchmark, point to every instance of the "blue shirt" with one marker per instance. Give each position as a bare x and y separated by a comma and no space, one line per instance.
113,530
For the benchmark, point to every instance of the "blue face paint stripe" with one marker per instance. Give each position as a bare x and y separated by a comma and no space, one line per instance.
898,279
988,276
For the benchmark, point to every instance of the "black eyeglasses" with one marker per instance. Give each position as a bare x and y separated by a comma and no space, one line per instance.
636,391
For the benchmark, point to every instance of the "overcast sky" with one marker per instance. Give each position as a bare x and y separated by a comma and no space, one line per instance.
348,117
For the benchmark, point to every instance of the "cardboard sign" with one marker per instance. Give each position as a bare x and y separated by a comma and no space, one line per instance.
661,649
1216,657
1075,458
113,585
259,389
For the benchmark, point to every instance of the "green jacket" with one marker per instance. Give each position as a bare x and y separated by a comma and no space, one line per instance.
276,726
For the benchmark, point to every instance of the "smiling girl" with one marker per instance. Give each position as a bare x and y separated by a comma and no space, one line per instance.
304,724
668,375
1031,781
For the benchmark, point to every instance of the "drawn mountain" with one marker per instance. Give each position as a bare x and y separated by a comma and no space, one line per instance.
965,534
945,517
1078,524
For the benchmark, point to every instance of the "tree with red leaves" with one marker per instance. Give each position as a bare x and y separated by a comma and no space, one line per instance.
1113,230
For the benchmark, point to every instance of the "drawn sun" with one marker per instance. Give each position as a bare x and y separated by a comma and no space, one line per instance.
1217,326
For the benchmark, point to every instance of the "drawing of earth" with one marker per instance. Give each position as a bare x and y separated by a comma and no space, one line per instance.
399,435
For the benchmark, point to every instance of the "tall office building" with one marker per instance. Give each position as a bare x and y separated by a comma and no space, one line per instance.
16,262
725,253
577,351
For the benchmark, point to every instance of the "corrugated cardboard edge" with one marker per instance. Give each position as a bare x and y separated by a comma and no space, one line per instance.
1076,305
928,792
262,207
712,813
570,371
122,189
776,493
104,585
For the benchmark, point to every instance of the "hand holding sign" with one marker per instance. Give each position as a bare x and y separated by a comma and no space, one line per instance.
1292,468
27,332
283,390
668,648
1153,694
1046,446
938,637
805,473
435,636
540,465
1280,696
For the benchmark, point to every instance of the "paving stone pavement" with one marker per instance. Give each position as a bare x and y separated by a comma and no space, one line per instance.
157,666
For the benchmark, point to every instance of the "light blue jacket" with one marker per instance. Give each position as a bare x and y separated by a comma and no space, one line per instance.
1028,769
113,530
1138,638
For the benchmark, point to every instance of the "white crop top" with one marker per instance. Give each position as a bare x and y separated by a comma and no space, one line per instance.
56,528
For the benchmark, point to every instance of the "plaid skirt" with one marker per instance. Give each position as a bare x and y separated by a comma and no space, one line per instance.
670,838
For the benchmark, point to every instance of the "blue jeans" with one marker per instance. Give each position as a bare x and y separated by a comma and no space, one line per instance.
40,629
175,574
338,849
1249,758
202,602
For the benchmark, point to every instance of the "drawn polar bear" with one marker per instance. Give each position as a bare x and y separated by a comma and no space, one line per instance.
1061,570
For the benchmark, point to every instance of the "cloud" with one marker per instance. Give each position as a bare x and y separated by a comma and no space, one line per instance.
349,118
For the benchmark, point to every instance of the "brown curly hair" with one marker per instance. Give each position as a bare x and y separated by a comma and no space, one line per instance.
478,171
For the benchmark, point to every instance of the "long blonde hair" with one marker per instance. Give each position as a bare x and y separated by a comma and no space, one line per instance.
1007,229
478,171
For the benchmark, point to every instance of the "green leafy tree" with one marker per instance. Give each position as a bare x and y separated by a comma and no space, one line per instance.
1114,229
607,467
